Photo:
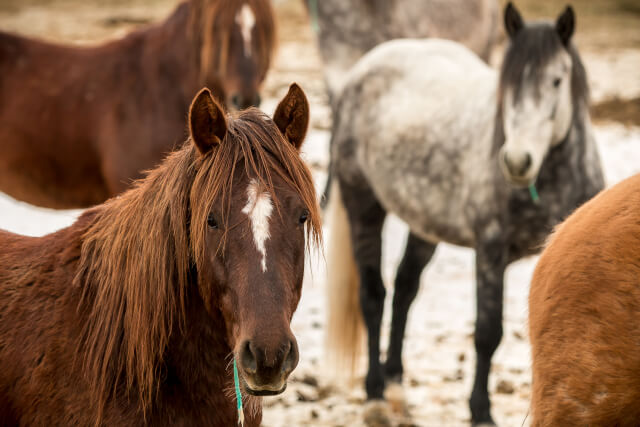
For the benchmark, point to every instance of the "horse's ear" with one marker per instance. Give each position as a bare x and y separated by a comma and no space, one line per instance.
292,116
207,122
513,22
565,25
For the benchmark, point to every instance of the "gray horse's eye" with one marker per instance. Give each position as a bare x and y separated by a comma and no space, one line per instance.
556,82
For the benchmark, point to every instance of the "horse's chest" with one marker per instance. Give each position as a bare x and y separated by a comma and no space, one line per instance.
531,223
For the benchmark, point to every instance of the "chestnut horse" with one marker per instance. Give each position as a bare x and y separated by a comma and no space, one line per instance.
134,314
584,316
78,124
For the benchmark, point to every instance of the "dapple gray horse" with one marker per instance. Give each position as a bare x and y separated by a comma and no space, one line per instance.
429,132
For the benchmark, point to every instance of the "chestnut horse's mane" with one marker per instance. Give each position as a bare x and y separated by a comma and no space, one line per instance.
216,20
137,254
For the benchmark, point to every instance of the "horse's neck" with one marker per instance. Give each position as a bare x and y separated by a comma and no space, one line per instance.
174,47
198,354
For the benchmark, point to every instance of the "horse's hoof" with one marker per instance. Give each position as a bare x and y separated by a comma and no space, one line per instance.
394,394
377,414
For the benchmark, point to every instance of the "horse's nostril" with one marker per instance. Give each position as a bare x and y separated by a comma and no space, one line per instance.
518,165
527,163
248,359
235,100
291,358
257,100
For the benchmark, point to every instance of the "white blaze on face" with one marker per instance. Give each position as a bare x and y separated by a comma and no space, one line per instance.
258,209
246,20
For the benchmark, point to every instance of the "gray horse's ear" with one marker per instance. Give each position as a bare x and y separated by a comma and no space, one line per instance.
513,22
207,122
565,25
292,116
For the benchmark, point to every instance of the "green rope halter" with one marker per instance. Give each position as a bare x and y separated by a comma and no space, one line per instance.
236,383
534,193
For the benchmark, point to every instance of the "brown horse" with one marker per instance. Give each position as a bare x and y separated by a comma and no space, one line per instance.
134,314
78,124
584,316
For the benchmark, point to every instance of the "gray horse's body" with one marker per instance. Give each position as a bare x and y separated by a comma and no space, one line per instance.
416,123
425,130
413,165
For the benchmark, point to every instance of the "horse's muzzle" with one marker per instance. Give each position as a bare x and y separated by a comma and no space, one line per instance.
240,102
265,370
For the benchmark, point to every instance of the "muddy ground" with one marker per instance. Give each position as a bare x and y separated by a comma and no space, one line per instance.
439,355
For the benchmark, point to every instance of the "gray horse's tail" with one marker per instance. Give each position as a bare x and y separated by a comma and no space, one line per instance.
345,327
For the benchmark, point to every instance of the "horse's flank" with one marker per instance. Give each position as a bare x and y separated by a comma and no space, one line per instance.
583,315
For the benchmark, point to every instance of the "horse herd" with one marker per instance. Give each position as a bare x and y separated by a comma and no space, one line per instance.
169,301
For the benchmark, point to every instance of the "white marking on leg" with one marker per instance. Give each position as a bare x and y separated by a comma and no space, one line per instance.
258,209
246,20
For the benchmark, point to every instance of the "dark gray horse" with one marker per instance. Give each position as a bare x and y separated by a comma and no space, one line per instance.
427,131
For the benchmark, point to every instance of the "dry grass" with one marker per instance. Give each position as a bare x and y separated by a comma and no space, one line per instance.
626,111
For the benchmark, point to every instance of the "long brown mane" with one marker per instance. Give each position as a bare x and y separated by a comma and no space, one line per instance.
136,259
217,18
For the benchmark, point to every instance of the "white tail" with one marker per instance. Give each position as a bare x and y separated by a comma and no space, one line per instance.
345,327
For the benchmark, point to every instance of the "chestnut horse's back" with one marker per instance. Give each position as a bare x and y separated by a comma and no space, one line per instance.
584,315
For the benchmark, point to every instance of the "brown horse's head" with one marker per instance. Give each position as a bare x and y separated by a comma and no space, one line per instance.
237,44
219,225
252,201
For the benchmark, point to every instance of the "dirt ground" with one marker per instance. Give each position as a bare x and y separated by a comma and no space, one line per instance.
439,357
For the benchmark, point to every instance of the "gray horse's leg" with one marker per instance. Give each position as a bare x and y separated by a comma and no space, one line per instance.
417,255
366,217
491,261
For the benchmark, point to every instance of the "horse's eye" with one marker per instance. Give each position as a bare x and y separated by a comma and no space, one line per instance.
556,82
304,217
211,221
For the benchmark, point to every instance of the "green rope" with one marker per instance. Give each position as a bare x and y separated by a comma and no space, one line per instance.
313,11
236,382
534,193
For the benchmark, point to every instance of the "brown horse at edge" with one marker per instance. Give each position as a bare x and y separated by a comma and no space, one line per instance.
133,315
584,316
79,124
